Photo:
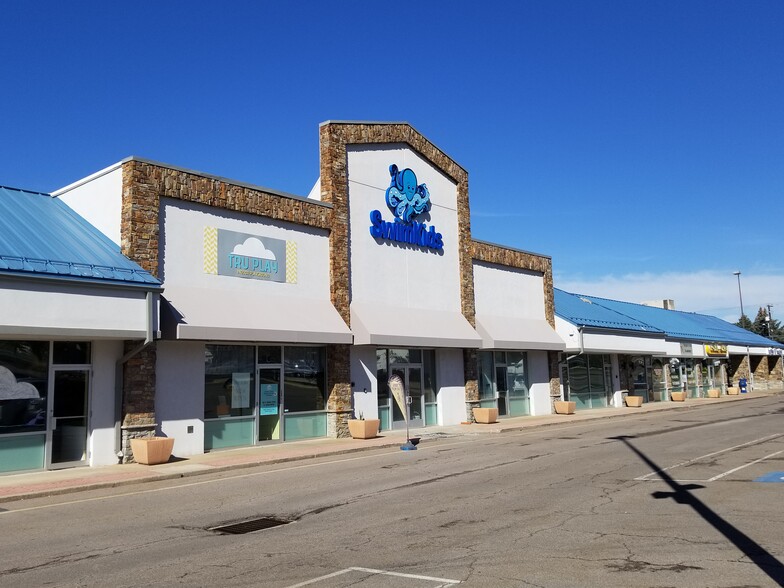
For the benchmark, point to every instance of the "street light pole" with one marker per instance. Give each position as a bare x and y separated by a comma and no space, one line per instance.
742,314
740,294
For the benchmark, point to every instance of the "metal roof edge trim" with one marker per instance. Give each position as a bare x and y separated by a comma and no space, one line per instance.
104,282
93,176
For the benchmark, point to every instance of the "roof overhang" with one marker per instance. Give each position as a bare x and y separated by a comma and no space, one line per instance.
199,314
499,332
384,325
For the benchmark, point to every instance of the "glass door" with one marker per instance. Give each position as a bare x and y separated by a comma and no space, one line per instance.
68,417
270,423
412,380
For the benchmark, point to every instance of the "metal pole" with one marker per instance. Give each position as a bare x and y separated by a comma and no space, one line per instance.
740,294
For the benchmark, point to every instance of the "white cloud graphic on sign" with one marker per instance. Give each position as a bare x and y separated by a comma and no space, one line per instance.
10,389
253,247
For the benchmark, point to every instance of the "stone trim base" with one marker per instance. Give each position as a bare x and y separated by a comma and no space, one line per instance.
134,432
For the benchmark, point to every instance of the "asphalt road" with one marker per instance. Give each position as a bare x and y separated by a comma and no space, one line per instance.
657,500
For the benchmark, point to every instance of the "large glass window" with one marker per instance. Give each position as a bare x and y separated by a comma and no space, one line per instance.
304,384
503,382
229,381
417,368
24,370
589,380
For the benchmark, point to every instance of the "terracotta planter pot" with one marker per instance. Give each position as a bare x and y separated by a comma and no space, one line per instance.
634,401
486,415
152,450
565,406
678,396
734,391
364,429
714,393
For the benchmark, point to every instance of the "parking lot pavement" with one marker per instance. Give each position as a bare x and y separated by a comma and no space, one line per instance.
47,483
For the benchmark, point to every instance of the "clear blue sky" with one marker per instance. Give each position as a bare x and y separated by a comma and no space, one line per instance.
639,143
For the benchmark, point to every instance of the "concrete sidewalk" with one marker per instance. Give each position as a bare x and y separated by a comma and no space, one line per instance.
48,483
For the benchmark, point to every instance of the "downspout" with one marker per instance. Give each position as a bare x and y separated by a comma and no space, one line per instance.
118,375
582,344
582,351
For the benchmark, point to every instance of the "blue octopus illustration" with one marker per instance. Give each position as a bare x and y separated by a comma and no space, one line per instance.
405,198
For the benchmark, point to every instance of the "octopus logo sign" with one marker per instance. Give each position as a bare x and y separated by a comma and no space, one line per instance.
407,200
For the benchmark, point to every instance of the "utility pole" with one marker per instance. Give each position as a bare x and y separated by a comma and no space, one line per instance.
770,318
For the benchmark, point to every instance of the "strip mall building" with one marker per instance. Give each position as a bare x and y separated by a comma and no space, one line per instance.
257,317
282,316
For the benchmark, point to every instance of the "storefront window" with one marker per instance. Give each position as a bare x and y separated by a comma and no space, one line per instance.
229,381
417,368
304,381
503,381
486,380
589,380
71,352
24,370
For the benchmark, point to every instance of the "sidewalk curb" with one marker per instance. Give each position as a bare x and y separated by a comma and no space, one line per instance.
151,476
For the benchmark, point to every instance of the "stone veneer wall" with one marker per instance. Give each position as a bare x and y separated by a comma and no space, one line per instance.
334,137
498,255
737,368
759,367
776,370
143,185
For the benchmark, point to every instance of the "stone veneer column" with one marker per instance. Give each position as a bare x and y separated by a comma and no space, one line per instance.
776,370
760,371
334,137
143,185
738,368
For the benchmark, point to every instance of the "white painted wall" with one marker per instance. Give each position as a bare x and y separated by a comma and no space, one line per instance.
105,355
504,291
98,198
397,274
182,251
451,386
30,305
179,394
617,396
539,383
605,343
363,375
569,333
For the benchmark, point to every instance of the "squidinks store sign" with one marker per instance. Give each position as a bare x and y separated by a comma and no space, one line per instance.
227,253
407,200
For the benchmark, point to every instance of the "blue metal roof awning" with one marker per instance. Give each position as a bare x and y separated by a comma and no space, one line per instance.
41,237
591,311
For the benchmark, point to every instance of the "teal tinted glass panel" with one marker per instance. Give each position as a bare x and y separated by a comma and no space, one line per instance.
222,433
578,375
431,413
305,426
487,404
582,400
383,414
25,452
518,407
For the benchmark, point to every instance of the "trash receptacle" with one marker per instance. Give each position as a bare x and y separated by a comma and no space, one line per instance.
742,385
